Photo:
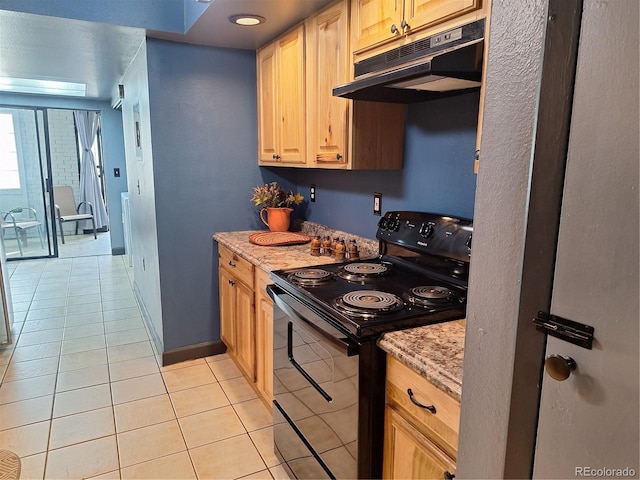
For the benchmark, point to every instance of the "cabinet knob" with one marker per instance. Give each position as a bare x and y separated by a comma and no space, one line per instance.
276,157
338,156
231,264
559,367
405,25
431,408
394,29
448,475
231,282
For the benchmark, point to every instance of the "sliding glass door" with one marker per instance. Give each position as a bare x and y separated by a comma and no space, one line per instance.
25,201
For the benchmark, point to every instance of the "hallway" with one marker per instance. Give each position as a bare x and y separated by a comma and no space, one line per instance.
84,396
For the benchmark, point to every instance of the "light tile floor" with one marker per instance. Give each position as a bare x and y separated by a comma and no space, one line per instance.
84,396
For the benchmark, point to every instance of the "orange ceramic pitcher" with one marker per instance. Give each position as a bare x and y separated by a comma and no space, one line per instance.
277,218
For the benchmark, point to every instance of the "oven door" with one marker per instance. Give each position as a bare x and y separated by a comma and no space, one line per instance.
315,386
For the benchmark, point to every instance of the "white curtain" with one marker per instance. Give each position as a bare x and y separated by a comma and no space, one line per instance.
87,124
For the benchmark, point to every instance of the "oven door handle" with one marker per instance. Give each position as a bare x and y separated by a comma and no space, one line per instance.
301,370
343,344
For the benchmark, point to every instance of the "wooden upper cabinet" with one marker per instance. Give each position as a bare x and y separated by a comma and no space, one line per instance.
281,100
376,22
328,66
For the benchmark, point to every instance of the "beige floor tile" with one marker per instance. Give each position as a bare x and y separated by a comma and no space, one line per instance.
144,412
121,325
121,314
26,440
31,368
81,400
48,303
225,369
137,367
188,363
198,399
83,460
129,351
263,440
115,296
115,475
176,466
90,358
46,313
238,390
217,358
231,458
279,473
254,414
81,289
126,337
149,443
28,388
83,344
80,331
25,412
82,377
81,427
137,388
36,338
262,475
84,299
33,466
35,352
188,377
83,318
211,426
84,308
45,324
119,303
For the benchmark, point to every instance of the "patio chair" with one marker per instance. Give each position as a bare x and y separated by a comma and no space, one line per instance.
68,211
20,220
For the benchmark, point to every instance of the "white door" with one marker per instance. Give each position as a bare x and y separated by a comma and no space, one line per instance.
6,310
588,425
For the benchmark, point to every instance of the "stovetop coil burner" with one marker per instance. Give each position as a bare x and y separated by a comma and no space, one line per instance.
363,271
426,295
310,276
368,303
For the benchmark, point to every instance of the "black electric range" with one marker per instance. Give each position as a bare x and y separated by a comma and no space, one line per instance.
419,277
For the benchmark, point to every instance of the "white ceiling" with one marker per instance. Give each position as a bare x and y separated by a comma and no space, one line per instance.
35,46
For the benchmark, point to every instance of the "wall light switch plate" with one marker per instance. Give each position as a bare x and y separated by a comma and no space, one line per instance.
312,193
377,203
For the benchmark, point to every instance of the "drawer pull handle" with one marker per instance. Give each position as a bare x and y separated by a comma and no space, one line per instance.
431,408
448,475
231,264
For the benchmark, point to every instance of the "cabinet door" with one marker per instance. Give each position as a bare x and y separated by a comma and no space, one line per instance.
245,329
425,13
291,97
409,454
328,66
227,309
264,347
267,104
372,21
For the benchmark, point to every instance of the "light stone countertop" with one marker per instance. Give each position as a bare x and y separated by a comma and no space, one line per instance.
434,351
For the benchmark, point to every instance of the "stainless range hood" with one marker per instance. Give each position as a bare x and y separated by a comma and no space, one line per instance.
446,64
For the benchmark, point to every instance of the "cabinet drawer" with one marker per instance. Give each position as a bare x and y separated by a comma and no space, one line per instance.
242,269
442,426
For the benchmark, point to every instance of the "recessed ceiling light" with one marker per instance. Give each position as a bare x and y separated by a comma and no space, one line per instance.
42,87
247,20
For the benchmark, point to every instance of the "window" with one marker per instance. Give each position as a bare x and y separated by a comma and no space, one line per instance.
9,173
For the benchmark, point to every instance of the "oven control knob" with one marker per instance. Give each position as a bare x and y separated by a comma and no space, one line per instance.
468,242
426,230
394,225
382,223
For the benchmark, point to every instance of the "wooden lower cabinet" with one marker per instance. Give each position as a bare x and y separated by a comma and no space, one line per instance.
418,444
246,320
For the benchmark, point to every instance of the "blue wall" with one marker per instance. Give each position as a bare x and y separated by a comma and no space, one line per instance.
112,145
437,175
204,127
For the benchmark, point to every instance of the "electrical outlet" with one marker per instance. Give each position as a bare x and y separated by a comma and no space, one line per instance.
377,203
312,193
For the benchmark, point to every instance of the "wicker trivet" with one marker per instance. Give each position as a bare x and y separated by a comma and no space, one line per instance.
270,239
